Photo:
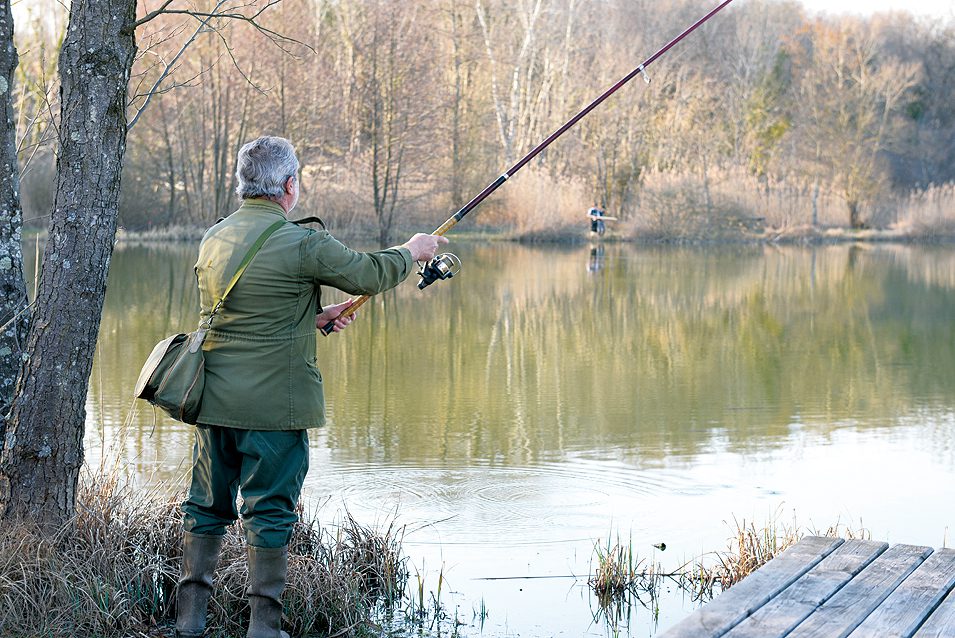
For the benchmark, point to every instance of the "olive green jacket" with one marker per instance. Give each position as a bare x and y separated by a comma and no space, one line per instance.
261,372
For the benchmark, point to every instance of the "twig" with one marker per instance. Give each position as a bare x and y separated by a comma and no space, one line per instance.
168,69
17,315
152,14
235,63
275,36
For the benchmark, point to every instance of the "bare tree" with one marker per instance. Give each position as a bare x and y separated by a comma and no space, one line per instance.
43,449
43,445
393,114
13,296
849,100
519,79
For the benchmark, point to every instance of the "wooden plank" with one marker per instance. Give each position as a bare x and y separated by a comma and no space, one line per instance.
795,603
941,624
729,608
911,603
842,613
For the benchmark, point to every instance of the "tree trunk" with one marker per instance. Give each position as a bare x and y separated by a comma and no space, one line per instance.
456,106
170,166
43,449
13,295
855,220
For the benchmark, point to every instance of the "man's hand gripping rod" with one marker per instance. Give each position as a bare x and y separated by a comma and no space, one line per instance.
493,186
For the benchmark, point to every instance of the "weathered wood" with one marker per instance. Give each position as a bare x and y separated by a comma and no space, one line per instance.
844,611
793,605
732,606
910,604
941,624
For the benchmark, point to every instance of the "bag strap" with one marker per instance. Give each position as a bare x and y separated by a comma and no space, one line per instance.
253,249
310,220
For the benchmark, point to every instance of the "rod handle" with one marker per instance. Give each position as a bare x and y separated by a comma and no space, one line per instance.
329,327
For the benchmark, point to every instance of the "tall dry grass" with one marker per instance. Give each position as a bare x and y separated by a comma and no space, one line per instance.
929,213
733,204
536,206
729,204
753,546
112,571
619,577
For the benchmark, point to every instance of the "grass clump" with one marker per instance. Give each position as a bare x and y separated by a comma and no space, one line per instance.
622,580
751,547
748,550
619,578
619,572
617,569
112,572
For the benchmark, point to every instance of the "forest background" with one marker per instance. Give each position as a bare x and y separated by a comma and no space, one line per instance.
770,122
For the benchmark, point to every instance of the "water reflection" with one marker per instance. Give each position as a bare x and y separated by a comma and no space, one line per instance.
532,401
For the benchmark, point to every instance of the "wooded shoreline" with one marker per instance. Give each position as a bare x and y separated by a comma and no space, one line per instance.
399,108
803,236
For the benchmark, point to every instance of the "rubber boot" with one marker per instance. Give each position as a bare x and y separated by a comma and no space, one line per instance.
199,557
268,568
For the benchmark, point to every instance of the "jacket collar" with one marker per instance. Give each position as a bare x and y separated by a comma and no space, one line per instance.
259,204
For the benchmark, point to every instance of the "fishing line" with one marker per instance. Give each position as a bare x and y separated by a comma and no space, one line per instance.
440,265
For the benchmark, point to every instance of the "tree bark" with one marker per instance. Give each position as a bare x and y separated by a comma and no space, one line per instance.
43,449
855,218
13,295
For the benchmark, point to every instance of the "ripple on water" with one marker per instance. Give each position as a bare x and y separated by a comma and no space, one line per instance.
549,502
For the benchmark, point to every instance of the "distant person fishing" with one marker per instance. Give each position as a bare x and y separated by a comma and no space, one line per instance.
447,265
598,220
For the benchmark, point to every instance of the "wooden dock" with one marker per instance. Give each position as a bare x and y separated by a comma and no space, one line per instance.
830,588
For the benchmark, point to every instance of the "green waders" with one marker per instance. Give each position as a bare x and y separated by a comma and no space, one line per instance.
268,469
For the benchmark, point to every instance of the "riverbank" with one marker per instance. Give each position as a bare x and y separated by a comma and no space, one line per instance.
731,208
798,235
112,571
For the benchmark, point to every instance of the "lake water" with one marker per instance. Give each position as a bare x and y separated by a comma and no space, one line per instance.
550,398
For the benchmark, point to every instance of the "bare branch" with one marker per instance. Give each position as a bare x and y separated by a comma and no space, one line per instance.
175,85
162,76
238,68
152,14
276,37
45,136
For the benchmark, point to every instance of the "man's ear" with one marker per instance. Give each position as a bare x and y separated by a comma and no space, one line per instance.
290,185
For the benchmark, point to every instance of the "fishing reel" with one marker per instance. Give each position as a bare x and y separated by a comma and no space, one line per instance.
443,266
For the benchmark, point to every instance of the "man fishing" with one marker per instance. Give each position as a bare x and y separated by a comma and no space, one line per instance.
263,390
597,220
262,387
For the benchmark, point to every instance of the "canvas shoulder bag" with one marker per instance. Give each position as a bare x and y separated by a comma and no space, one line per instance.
173,376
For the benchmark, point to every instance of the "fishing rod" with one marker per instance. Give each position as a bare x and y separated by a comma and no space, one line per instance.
447,265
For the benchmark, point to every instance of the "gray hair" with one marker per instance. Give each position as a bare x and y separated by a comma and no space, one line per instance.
263,167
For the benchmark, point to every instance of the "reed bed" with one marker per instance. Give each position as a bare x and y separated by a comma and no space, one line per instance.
620,574
733,205
174,233
112,572
752,547
725,205
619,577
929,214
